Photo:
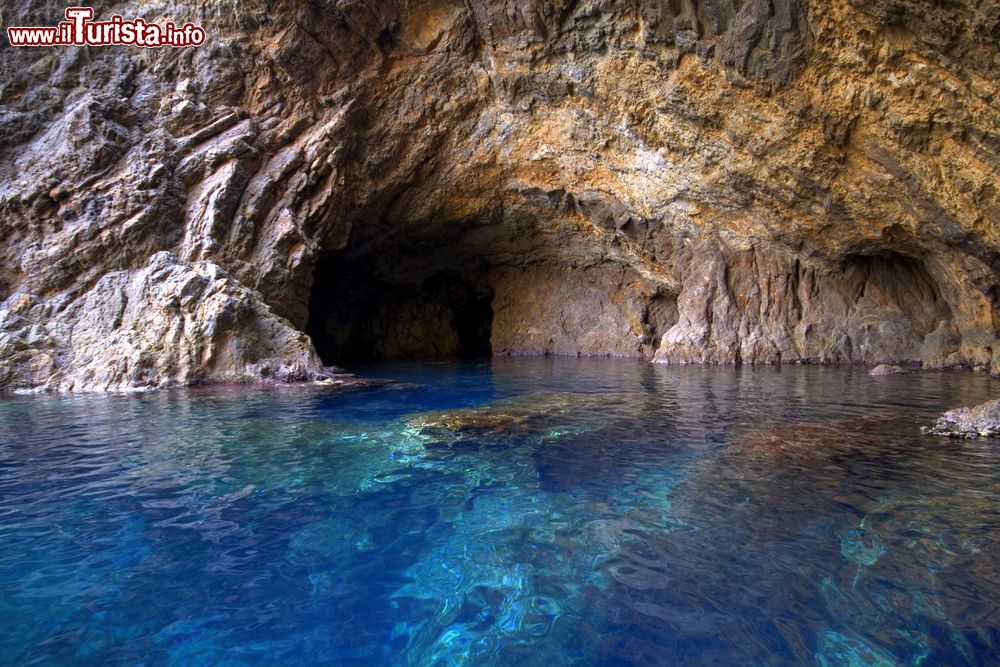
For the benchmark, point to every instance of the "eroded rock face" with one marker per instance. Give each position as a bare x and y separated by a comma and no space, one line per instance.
167,324
980,421
590,311
725,181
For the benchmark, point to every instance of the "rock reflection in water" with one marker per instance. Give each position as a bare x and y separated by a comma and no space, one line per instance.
531,512
911,519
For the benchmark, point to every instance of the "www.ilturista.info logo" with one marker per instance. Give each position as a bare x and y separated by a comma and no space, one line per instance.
79,30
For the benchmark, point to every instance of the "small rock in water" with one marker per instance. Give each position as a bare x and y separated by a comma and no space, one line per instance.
980,421
886,369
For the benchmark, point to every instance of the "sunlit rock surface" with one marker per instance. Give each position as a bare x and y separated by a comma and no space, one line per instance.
980,421
169,323
736,181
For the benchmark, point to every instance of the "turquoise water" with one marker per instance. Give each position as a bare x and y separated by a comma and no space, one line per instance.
526,512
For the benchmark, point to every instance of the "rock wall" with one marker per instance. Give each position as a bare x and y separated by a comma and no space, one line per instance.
592,311
789,179
767,306
168,323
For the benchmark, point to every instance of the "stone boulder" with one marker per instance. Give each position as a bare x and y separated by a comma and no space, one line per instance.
980,421
886,369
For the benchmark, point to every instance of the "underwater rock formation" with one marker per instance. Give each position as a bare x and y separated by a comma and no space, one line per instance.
742,181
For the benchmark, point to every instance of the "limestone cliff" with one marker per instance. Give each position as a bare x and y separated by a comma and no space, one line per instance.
683,180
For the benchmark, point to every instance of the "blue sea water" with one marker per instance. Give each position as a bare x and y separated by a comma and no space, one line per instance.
504,512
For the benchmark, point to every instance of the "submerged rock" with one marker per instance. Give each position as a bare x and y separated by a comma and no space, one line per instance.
886,369
548,414
980,421
815,443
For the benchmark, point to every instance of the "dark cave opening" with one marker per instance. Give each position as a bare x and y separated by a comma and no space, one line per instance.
357,314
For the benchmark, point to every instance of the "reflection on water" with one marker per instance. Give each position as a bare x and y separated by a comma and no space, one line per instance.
531,512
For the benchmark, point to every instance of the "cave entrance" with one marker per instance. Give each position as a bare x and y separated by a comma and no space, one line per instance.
361,312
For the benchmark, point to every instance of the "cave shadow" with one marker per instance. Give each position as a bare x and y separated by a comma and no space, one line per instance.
359,315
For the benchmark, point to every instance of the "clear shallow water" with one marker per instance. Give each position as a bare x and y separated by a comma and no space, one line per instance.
529,512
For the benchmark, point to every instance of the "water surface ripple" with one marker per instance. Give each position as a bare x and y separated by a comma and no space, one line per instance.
529,512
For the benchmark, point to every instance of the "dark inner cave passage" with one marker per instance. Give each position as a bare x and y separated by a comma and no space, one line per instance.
357,315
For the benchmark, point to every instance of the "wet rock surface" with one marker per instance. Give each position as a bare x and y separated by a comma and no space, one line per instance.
980,421
728,182
886,369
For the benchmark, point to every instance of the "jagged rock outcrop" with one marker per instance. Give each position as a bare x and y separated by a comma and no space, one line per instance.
979,422
726,181
166,324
